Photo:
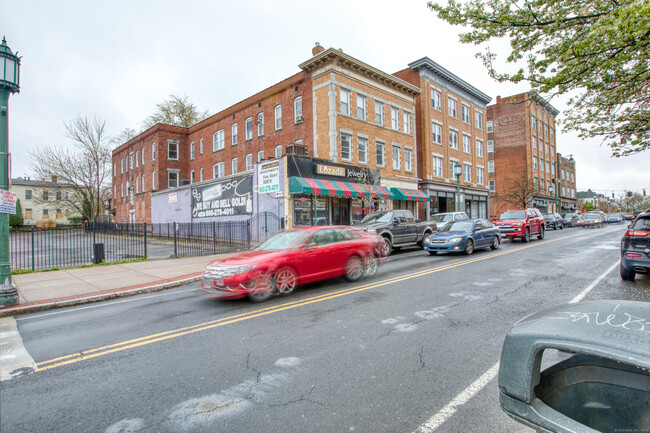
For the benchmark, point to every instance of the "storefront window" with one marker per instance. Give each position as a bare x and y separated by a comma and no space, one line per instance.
302,210
322,211
361,208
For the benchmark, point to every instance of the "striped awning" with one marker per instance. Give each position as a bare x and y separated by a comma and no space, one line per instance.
409,194
307,185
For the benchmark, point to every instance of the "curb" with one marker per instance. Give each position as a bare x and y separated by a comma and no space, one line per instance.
34,307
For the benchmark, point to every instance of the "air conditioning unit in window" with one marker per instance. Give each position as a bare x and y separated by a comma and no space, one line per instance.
299,119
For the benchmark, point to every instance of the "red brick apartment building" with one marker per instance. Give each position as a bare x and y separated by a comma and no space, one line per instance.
522,154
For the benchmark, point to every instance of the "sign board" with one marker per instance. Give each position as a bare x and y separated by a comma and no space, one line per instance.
173,197
228,198
7,202
268,177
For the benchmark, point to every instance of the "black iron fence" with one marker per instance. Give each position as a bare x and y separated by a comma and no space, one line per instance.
68,246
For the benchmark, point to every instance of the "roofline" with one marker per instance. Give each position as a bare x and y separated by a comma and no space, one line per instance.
543,103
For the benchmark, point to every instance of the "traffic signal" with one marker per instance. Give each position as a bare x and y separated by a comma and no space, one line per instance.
644,192
612,195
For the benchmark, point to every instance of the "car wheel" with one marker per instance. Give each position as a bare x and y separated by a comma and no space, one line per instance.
388,246
433,253
261,294
353,268
561,226
284,281
495,243
421,241
540,236
370,265
526,237
627,274
469,247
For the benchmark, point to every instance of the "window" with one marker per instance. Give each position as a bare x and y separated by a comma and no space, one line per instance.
297,110
379,113
534,142
137,186
153,180
534,162
260,124
436,99
490,146
28,213
453,108
492,186
278,117
380,153
234,165
201,175
548,169
249,161
407,123
453,139
452,168
218,140
278,151
489,126
122,188
137,158
479,148
546,147
249,128
46,213
172,178
131,157
28,194
408,159
467,144
201,146
172,150
114,169
468,173
363,150
396,157
533,122
437,166
478,116
436,130
345,102
361,107
218,170
59,196
535,183
545,129
465,113
192,151
541,144
143,183
345,147
260,155
491,166
143,156
46,196
234,134
480,176
191,176
153,151
394,118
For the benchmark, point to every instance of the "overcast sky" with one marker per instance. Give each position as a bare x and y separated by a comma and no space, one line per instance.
117,59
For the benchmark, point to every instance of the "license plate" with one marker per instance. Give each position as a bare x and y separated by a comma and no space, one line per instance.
218,281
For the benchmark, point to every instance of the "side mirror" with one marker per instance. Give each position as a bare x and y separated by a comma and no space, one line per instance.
395,221
311,246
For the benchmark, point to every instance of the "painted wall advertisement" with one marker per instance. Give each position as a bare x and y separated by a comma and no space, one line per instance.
227,198
269,177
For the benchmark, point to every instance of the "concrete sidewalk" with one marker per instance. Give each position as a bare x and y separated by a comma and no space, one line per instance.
40,291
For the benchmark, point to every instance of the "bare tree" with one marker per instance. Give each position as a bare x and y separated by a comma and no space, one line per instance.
123,137
519,192
175,111
83,168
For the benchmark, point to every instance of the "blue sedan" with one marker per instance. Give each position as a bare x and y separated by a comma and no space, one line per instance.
465,236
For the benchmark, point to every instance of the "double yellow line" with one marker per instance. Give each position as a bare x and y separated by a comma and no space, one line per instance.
168,335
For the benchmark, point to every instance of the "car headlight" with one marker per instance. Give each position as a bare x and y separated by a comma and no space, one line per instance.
227,271
516,224
371,230
426,239
455,240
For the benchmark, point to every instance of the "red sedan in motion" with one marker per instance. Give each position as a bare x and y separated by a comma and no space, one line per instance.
294,257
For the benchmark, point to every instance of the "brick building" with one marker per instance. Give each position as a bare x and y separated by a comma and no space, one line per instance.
523,157
451,130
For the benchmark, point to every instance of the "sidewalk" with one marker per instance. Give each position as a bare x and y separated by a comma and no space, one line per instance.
40,291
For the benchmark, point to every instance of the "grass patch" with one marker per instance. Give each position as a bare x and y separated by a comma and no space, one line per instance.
103,263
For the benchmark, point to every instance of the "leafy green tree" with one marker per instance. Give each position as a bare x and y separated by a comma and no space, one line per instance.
596,51
16,220
588,206
176,111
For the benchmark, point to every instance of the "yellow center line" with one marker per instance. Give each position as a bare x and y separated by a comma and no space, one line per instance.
167,335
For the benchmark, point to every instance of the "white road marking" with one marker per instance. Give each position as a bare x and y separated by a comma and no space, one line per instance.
468,393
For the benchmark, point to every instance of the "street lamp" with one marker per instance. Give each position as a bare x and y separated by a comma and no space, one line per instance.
9,83
458,170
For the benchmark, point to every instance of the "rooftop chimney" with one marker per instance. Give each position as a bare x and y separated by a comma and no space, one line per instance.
317,49
55,178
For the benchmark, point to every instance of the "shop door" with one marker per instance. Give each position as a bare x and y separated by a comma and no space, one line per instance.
340,211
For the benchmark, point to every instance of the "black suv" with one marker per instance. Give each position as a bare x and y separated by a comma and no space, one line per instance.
554,220
635,248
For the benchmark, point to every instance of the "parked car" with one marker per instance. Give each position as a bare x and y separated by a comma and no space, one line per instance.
399,228
442,219
554,220
570,219
294,257
590,220
463,236
522,224
615,218
635,248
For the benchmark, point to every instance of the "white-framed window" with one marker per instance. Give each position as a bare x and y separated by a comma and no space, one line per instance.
453,139
408,159
297,110
201,175
218,170
380,148
480,175
137,158
491,166
545,129
234,134
260,155
234,165
278,117
468,173
548,168
172,178
260,124
201,146
479,148
478,116
379,113
345,102
535,162
452,105
394,118
437,166
122,166
562,173
467,144
465,113
153,180
534,142
172,151
122,188
533,122
436,99
137,186
218,140
490,128
492,185
278,151
192,151
436,132
407,122
142,157
397,156
452,169
541,143
153,151
249,161
131,157
361,107
546,147
553,169
490,146
346,147
362,150
248,125
191,176
114,169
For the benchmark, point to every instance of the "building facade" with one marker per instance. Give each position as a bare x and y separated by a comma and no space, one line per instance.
44,203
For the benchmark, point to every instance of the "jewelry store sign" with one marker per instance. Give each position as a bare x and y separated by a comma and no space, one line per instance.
268,176
358,174
232,197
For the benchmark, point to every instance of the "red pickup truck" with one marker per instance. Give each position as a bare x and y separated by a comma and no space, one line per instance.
521,223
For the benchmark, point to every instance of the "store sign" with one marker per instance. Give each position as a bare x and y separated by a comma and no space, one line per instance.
330,170
268,177
173,197
228,198
7,202
358,174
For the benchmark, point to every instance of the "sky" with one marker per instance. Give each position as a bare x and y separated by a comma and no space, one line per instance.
116,60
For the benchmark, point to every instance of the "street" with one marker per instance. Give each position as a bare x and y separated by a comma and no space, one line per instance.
394,353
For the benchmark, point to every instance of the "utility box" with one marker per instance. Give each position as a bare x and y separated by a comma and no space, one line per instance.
98,254
600,379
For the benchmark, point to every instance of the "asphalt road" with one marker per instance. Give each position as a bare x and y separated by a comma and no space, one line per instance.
395,353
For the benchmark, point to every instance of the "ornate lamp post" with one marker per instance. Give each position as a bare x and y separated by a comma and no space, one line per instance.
458,170
9,83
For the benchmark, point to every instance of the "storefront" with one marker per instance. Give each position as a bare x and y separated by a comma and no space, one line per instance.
474,205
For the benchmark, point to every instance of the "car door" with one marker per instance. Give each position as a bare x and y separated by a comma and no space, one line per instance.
400,231
318,258
479,234
533,222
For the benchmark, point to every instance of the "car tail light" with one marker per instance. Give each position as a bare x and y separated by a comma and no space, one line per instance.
632,255
637,233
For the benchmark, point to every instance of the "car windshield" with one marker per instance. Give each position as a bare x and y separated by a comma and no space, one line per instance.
548,217
590,216
281,241
642,224
442,217
513,215
377,217
458,226
569,215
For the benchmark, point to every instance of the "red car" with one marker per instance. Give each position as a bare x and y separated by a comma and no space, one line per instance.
294,257
521,224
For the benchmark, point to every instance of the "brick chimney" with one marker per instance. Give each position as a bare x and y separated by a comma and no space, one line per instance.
55,178
317,49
